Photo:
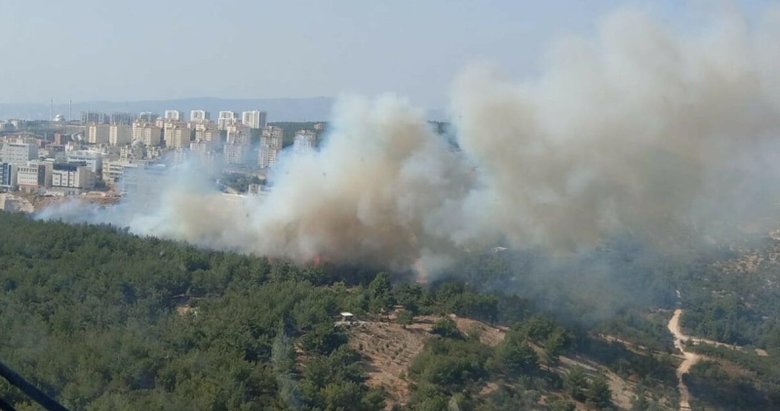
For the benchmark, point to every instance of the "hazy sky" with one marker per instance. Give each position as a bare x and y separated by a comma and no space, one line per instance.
157,49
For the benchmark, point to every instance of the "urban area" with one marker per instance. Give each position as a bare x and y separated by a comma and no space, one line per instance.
99,155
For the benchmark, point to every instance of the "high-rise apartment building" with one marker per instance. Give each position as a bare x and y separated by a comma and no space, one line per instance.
238,134
199,116
235,154
253,119
207,132
305,141
176,135
122,118
173,115
120,134
225,119
93,117
97,133
270,146
147,133
148,117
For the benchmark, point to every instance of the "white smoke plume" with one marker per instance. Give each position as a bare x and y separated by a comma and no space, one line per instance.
640,130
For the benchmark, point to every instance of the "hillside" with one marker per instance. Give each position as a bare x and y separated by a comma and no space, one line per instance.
146,323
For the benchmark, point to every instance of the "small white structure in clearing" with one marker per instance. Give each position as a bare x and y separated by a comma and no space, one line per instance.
347,317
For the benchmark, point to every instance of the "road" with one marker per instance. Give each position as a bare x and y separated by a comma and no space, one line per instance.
689,358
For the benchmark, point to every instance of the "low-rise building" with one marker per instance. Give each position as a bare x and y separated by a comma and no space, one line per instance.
114,171
93,159
72,177
33,176
18,153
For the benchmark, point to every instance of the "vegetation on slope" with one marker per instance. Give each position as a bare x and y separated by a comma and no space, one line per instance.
101,319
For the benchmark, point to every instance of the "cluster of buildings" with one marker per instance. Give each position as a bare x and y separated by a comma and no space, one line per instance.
100,149
21,167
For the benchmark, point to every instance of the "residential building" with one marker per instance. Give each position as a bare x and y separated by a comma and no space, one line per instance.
134,151
207,132
148,117
120,134
199,116
92,117
173,115
201,147
98,133
226,118
238,134
147,133
270,146
305,141
122,118
176,135
236,154
253,119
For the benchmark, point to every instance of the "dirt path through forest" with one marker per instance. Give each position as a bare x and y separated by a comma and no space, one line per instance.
689,360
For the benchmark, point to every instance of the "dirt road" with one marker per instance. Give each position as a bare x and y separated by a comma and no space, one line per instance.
689,360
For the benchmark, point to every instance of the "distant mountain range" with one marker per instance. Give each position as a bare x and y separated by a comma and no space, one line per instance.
278,109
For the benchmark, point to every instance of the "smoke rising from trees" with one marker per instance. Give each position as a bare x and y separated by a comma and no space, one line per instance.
641,130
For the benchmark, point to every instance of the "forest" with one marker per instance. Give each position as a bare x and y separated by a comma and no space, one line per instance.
102,319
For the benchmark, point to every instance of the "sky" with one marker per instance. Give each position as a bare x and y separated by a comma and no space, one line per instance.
86,50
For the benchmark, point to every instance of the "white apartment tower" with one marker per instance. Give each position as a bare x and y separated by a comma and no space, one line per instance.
253,119
173,115
225,119
305,141
270,146
199,116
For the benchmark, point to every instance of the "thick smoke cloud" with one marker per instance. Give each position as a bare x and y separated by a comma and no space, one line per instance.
641,130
